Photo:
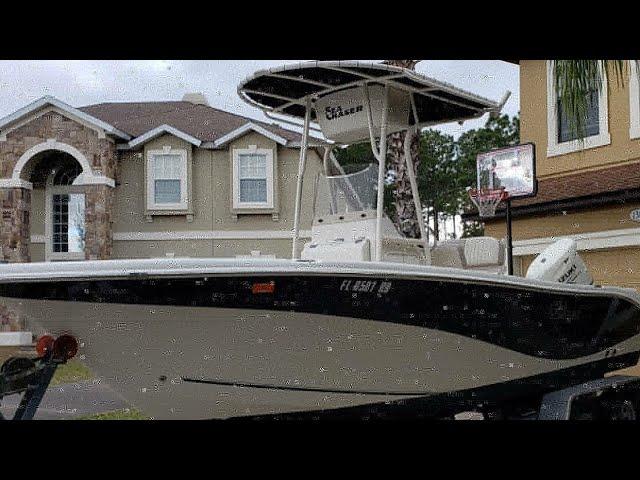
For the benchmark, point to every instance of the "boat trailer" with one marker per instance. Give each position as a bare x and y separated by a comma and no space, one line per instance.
609,398
32,376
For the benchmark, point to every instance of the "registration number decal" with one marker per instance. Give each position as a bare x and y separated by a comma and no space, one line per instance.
365,286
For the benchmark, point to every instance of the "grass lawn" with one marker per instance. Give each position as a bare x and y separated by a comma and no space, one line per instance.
124,414
71,372
74,371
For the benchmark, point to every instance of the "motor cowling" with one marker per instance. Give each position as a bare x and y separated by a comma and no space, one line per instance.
560,262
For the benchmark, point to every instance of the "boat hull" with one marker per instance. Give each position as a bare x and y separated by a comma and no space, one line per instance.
260,343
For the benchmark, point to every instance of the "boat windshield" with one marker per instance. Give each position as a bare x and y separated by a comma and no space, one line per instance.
346,193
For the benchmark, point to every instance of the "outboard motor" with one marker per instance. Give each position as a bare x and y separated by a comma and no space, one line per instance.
560,262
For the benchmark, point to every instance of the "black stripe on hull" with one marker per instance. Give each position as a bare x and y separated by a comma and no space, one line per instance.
286,388
544,324
447,404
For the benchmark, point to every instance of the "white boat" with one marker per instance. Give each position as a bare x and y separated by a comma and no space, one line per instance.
360,318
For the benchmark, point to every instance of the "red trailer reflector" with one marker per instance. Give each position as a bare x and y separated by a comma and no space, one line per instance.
65,347
268,287
44,345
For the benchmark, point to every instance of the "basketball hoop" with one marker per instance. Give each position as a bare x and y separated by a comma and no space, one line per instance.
487,199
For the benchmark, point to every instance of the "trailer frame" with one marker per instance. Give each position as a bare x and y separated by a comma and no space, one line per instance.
32,376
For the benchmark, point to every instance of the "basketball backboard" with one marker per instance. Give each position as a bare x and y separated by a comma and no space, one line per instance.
513,168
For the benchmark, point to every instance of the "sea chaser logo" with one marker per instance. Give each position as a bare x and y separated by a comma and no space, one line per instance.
336,112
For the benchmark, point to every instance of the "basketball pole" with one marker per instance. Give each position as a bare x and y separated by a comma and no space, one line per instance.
509,242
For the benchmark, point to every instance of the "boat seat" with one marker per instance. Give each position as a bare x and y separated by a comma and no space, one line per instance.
483,252
473,253
448,254
403,250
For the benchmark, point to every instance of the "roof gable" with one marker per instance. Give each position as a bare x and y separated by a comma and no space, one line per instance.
10,120
246,128
161,130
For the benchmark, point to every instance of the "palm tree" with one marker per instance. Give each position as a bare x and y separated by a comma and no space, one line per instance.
404,213
575,80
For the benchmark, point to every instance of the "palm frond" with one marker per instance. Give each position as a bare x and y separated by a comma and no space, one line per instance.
575,80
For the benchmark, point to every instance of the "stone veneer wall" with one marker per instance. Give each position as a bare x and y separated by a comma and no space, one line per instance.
14,227
100,152
98,222
15,203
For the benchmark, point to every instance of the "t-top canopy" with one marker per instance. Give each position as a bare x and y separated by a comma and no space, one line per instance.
285,90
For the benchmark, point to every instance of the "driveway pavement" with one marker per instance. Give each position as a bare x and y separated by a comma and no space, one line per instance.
70,401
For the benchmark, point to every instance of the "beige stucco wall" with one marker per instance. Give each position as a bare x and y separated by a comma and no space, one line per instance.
211,203
533,125
611,217
281,248
37,217
37,252
37,222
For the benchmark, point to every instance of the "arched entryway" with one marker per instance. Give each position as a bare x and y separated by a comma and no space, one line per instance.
60,208
58,204
32,157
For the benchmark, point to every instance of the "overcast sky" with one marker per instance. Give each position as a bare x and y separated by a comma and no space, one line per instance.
85,82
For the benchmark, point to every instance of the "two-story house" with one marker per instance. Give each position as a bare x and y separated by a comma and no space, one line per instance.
588,188
148,179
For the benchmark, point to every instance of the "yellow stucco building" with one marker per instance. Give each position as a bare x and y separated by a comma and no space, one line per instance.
588,189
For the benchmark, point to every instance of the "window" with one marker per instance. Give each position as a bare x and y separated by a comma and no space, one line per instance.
634,100
592,124
560,138
65,215
167,180
68,223
252,178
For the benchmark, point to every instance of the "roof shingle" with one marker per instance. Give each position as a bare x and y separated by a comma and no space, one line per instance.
580,189
200,121
623,177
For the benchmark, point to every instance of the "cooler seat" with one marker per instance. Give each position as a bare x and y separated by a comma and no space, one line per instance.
473,253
